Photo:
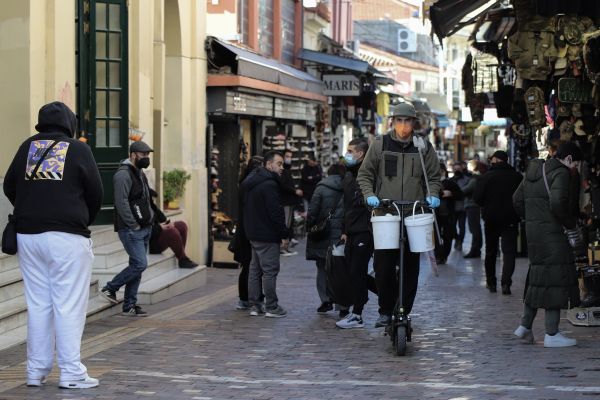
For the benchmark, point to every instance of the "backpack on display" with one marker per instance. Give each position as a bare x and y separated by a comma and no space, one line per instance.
534,100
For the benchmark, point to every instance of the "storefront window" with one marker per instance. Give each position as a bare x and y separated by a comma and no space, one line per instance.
288,47
265,27
244,20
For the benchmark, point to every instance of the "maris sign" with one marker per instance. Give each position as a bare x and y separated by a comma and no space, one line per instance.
341,85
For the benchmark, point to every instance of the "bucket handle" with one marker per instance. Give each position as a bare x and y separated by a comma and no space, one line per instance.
394,204
415,207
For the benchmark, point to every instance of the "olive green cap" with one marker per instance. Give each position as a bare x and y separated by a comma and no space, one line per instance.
404,110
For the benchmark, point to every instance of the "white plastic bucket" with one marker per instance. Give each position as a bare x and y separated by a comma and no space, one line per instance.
386,231
419,229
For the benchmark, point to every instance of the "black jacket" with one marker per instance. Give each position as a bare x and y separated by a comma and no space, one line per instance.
66,195
447,204
309,185
159,217
242,248
356,214
130,184
323,203
494,193
288,187
264,219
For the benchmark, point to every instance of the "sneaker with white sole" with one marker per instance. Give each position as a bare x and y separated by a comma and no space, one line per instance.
244,305
350,321
134,311
36,382
524,333
279,312
86,383
257,311
559,340
109,295
293,242
287,253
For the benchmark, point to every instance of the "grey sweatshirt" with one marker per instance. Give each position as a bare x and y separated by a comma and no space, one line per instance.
122,183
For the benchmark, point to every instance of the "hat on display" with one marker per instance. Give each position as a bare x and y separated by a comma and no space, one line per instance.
563,110
560,41
566,130
140,147
576,110
501,155
404,110
579,128
561,66
518,114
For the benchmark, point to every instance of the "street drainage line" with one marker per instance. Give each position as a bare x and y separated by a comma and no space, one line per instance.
432,385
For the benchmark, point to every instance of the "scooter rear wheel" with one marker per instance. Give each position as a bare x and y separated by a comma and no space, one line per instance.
400,341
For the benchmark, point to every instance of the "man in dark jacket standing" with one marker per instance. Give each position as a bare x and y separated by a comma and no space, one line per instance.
134,229
446,215
264,223
357,234
290,196
311,175
493,193
55,209
461,179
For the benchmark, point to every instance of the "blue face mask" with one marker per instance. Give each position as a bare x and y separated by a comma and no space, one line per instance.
350,159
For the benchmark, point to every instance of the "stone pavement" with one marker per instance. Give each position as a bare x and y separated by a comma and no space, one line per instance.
198,346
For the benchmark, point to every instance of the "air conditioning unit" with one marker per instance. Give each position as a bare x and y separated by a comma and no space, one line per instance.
353,44
407,41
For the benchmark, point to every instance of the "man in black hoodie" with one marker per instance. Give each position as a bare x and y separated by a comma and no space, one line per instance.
290,197
264,223
311,175
493,194
55,210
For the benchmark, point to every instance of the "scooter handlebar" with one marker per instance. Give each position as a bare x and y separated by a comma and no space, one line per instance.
389,203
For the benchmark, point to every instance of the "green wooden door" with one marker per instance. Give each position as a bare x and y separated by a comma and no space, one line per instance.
102,89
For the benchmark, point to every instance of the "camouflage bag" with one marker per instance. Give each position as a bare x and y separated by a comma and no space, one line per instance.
528,20
573,30
535,102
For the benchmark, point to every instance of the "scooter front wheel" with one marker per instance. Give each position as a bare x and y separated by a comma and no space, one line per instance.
400,341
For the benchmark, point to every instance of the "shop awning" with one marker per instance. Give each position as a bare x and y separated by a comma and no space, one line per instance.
447,15
255,66
443,122
332,60
421,107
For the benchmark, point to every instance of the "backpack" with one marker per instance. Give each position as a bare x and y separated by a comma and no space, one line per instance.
535,102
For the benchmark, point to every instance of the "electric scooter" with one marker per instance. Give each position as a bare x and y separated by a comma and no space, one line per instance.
399,329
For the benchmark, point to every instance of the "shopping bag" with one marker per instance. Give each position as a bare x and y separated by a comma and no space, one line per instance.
339,277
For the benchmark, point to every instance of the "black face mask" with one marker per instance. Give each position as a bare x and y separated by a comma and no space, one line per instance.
142,163
458,174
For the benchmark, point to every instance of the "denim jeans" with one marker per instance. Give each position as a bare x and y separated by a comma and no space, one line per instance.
136,246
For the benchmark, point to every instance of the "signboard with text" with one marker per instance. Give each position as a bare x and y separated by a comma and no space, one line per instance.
571,90
341,85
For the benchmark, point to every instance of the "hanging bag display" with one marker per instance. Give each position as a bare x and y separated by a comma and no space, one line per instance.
9,236
534,100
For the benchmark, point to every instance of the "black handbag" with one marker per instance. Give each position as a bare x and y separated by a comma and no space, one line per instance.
9,236
321,230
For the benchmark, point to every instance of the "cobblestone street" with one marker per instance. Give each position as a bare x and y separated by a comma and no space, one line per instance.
198,346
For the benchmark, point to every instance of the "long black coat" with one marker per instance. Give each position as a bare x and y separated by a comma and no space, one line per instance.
552,279
494,191
323,202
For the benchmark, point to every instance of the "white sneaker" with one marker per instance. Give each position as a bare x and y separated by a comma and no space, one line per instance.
559,340
350,321
86,383
293,242
524,333
36,382
287,253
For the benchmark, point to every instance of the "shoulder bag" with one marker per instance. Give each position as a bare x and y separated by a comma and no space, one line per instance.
9,236
322,229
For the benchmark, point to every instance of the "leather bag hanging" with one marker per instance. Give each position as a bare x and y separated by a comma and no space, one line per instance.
321,230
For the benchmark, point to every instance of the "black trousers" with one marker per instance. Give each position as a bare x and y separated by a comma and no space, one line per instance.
387,283
243,283
508,233
474,221
461,218
358,252
446,223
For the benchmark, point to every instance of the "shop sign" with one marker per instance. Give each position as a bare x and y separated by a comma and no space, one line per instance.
471,127
570,90
341,85
238,103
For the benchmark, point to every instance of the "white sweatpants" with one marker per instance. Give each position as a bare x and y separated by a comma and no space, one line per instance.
56,269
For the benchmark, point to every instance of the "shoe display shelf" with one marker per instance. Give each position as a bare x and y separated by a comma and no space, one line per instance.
588,313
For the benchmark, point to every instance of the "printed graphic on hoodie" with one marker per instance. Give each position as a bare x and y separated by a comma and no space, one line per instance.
53,165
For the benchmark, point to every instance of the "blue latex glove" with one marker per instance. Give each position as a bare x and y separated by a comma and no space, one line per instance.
433,201
373,201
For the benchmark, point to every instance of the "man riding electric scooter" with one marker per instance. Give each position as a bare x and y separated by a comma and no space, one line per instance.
392,169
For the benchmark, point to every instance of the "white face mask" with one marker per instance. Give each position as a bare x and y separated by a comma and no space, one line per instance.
287,160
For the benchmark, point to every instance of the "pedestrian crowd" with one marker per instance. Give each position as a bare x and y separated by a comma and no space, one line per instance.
56,201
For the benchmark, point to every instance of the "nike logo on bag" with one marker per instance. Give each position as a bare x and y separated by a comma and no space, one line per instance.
361,244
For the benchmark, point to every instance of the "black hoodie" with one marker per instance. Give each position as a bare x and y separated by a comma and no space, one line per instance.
288,187
264,218
66,195
357,214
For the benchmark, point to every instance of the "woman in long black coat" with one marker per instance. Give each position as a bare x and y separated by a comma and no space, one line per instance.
243,249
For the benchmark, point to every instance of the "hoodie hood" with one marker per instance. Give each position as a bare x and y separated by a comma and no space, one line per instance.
333,182
57,117
534,172
260,175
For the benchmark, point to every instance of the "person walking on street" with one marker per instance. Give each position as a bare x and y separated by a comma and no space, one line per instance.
392,170
446,216
328,199
264,224
242,247
311,175
134,217
356,232
493,193
543,200
461,180
473,212
55,207
290,196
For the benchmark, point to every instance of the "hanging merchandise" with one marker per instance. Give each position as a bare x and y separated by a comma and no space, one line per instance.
529,21
383,104
532,53
534,99
486,78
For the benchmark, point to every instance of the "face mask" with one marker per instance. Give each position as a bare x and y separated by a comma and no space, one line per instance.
350,159
458,174
142,163
287,160
403,130
442,178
